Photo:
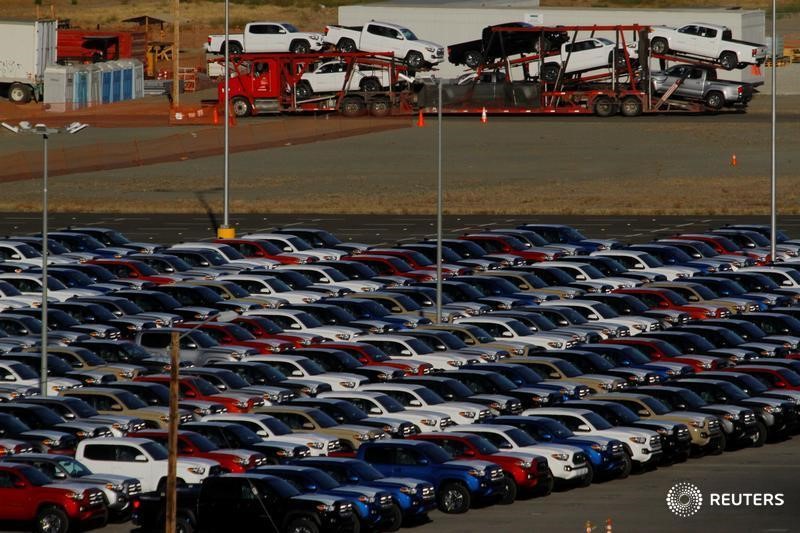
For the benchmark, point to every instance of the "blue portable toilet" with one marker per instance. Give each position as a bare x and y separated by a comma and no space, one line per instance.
126,66
116,82
80,89
94,78
106,75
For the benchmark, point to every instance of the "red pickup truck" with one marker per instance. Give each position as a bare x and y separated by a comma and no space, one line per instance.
195,388
30,496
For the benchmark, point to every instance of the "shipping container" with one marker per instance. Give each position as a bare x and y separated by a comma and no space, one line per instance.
26,50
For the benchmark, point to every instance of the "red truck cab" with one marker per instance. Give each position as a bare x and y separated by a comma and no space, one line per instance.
495,243
132,269
667,299
267,250
774,377
723,245
372,355
660,350
391,266
528,471
191,444
419,262
30,496
264,328
228,334
195,388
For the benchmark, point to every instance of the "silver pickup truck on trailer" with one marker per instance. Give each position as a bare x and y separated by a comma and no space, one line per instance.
701,84
26,48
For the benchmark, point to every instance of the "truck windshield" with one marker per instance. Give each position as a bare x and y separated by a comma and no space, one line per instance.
290,28
284,489
322,419
36,478
74,468
597,421
390,404
408,34
547,429
365,471
276,426
657,406
156,450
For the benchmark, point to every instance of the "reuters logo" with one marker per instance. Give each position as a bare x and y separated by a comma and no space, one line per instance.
684,499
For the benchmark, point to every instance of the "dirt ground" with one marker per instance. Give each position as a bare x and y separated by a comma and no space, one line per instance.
546,165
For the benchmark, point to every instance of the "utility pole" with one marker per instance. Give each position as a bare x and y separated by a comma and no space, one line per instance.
176,47
439,208
172,442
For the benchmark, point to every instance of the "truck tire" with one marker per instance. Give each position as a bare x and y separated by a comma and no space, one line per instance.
719,446
659,46
302,525
545,488
550,72
303,90
627,466
760,437
370,85
300,46
352,106
379,107
51,519
473,59
453,498
603,106
241,107
346,45
184,524
728,60
394,520
715,100
587,478
619,57
631,106
509,490
20,93
234,46
415,60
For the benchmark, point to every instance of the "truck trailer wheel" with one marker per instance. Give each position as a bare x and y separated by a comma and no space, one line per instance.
370,85
353,106
19,93
300,47
550,72
415,60
51,520
241,107
379,107
303,90
473,59
715,100
659,46
346,45
603,106
631,106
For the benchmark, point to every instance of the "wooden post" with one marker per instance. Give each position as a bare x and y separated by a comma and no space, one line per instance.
176,46
172,444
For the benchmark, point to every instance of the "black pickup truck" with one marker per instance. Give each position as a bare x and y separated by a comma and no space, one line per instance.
496,44
246,502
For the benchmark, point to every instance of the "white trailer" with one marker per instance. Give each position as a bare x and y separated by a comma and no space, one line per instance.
455,22
26,49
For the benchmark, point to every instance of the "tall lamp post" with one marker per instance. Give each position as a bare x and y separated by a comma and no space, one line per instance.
44,132
773,181
225,231
439,208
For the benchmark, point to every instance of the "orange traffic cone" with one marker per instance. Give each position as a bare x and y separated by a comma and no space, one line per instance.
421,120
733,160
589,527
484,119
608,526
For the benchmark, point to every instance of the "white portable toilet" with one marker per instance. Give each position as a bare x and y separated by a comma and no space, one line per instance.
95,81
138,78
58,87
80,85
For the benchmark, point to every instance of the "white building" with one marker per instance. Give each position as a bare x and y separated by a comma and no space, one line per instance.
451,21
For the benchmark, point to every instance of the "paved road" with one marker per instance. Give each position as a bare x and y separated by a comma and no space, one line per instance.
376,229
637,504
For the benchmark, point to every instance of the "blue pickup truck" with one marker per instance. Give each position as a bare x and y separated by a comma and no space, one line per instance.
415,497
457,483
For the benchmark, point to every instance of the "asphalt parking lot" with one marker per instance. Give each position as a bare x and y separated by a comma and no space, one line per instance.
637,504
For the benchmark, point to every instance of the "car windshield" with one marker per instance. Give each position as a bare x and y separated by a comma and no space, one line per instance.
27,251
483,445
467,249
205,388
651,260
8,289
116,238
481,334
408,34
201,443
80,408
239,333
619,415
322,419
593,362
389,404
35,477
23,371
429,397
130,400
308,320
545,429
518,327
276,426
675,298
157,451
521,374
418,346
567,368
597,421
277,285
203,340
572,316
290,28
437,454
657,406
74,468
244,435
690,398
54,285
605,310
519,437
265,324
365,471
312,368
12,425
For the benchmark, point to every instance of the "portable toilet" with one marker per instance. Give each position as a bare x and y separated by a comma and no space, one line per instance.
58,87
105,74
116,81
138,79
126,69
80,90
94,76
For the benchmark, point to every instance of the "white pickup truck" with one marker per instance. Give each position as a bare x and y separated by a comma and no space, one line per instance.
266,37
385,37
581,56
707,41
329,76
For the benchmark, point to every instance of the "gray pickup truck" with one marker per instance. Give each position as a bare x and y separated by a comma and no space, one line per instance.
701,84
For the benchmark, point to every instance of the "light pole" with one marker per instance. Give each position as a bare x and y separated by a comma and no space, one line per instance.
225,231
439,203
773,181
44,132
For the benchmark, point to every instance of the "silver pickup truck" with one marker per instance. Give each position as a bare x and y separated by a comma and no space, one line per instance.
701,84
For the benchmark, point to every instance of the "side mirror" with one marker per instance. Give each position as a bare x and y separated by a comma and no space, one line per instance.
786,283
546,437
140,458
19,484
638,266
297,373
505,446
190,394
308,425
583,428
375,411
423,462
287,249
469,453
592,316
9,378
693,298
643,412
353,479
16,256
407,353
554,375
780,384
60,475
133,275
191,346
506,334
116,407
262,433
294,325
415,403
580,277
663,304
722,398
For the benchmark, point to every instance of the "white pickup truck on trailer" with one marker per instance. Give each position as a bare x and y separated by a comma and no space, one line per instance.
261,37
385,37
26,49
707,41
